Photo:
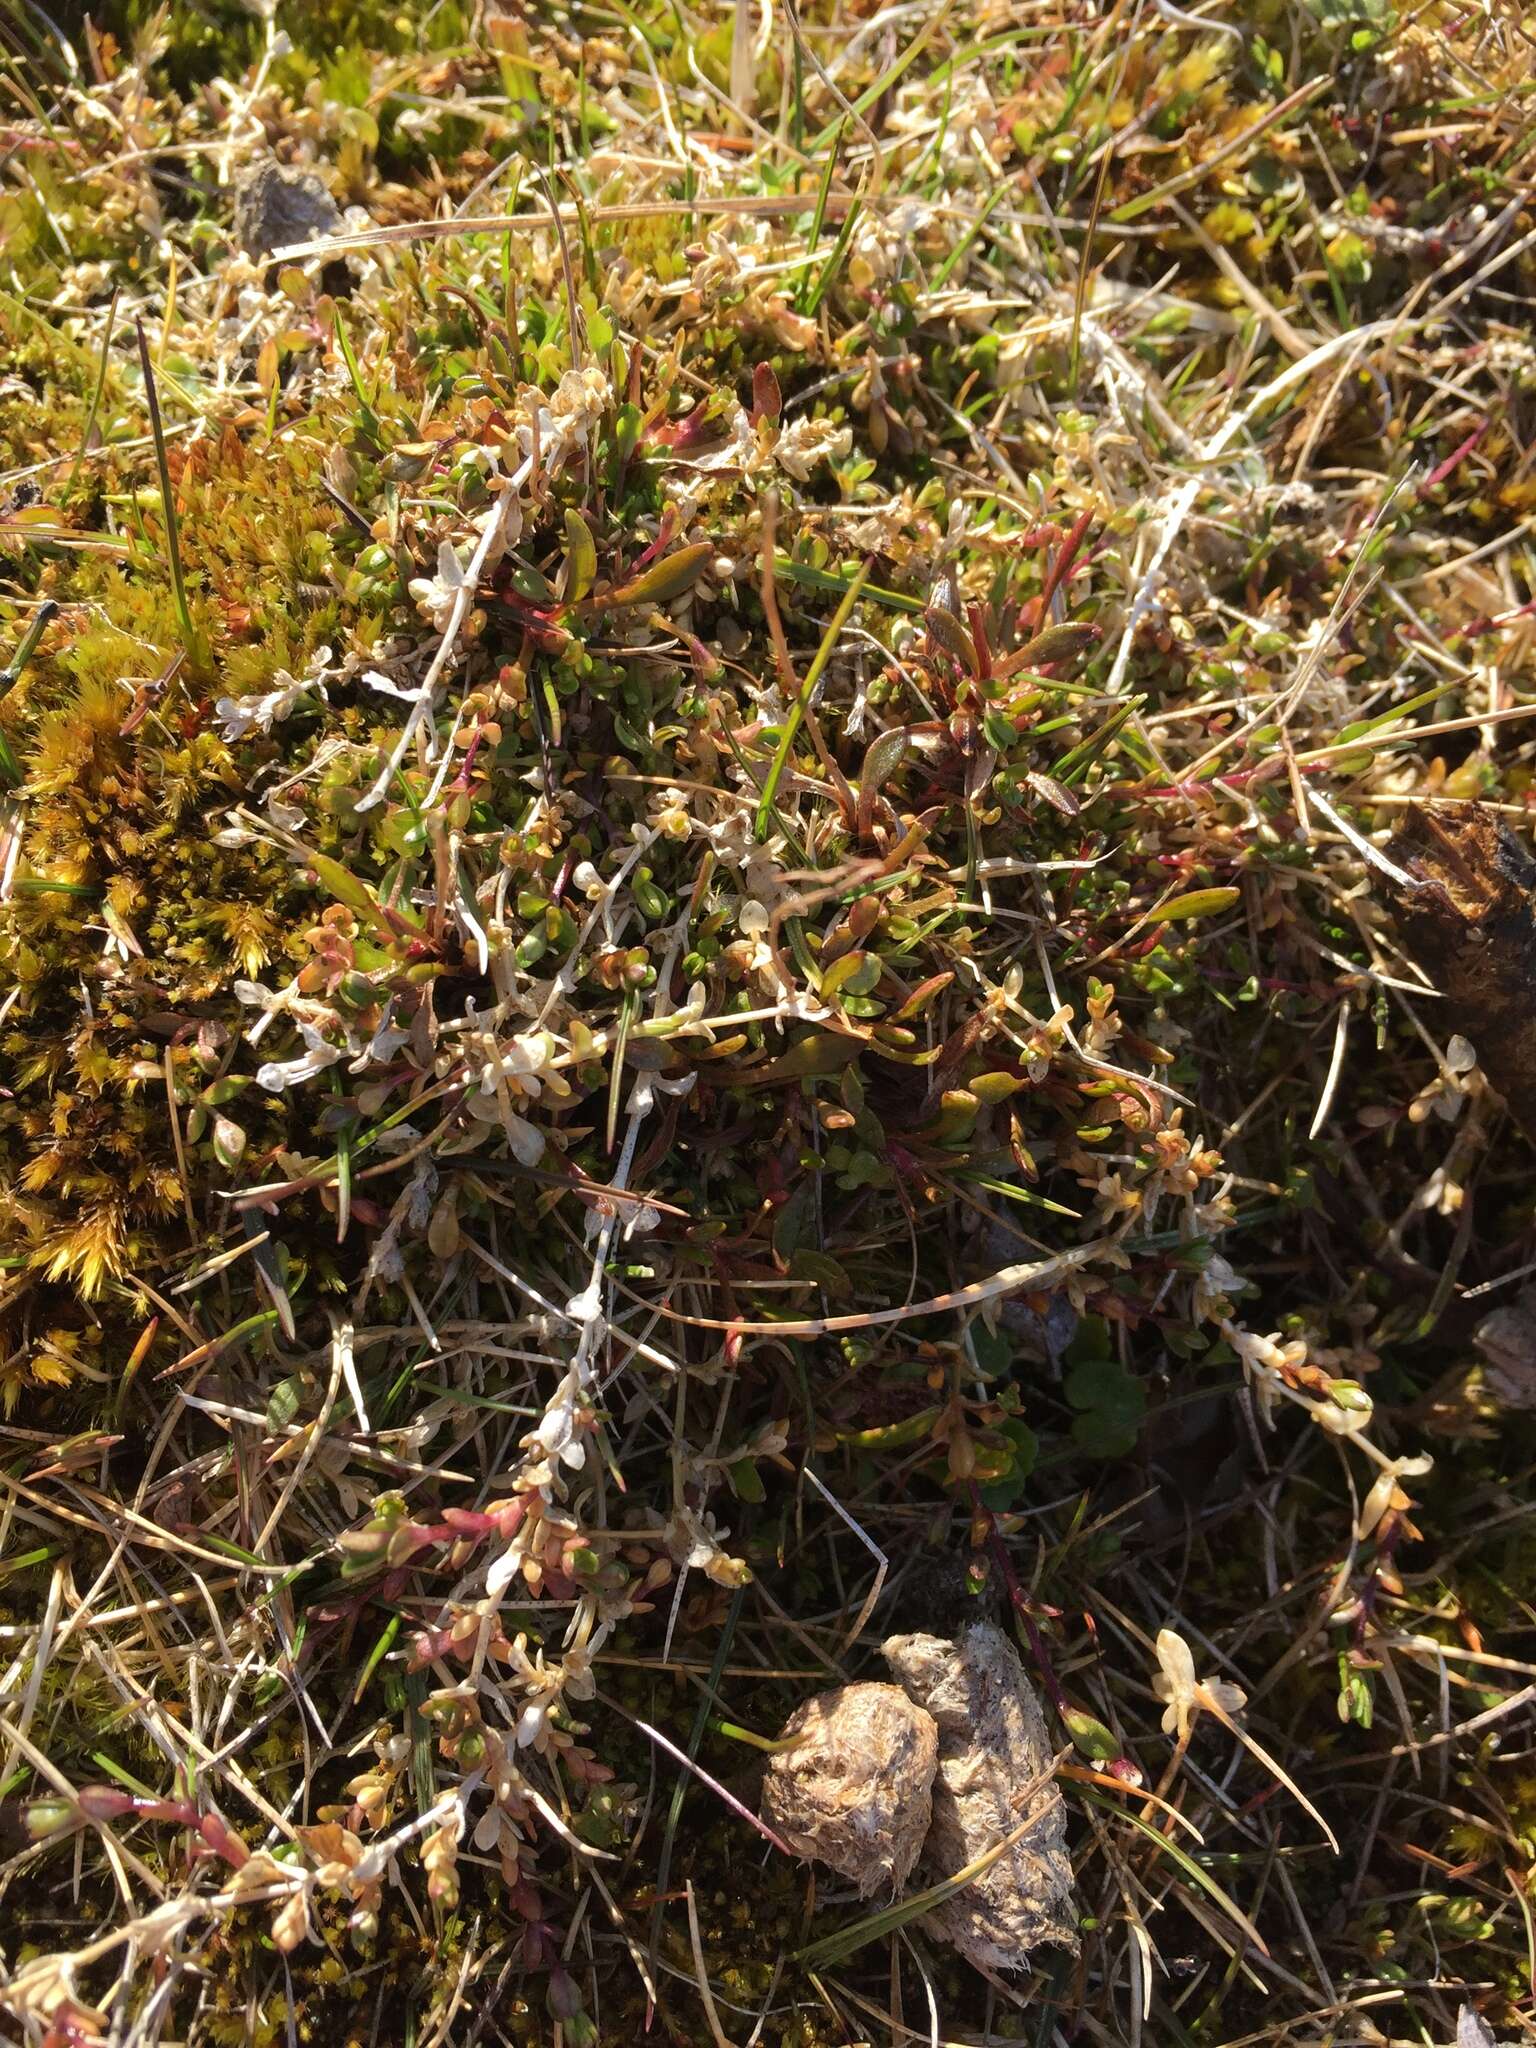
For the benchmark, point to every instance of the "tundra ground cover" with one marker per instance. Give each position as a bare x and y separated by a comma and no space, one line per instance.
761,786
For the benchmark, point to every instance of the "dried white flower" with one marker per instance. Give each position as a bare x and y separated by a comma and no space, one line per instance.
276,1075
437,595
1386,1493
805,442
240,716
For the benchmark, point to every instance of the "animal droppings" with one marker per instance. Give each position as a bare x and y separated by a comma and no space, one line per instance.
856,1790
992,1744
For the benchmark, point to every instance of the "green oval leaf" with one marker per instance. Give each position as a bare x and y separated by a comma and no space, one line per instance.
990,1088
883,758
1089,1735
1198,903
1058,643
580,557
666,579
946,631
854,975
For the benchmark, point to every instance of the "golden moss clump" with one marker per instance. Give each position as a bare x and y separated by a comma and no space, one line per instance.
118,893
128,922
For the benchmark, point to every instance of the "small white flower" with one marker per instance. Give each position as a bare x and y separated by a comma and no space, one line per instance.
1220,1276
740,451
526,1057
587,1306
696,1542
642,1097
502,1570
556,1434
256,996
385,687
1183,1694
530,1724
669,813
239,716
386,1041
1186,1696
277,1075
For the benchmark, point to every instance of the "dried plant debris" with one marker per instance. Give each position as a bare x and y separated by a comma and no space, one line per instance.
1472,923
856,1790
992,1746
940,1591
1506,1342
1473,2031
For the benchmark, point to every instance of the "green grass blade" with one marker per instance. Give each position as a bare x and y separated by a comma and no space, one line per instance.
192,639
801,704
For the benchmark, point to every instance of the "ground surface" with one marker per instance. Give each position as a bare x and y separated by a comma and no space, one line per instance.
762,879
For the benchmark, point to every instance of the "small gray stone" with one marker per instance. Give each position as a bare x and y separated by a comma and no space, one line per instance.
276,205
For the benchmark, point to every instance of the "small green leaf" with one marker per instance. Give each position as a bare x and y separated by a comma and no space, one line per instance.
854,975
746,1481
580,557
993,1350
1057,643
345,887
884,757
1102,1383
1197,903
1090,1736
666,579
531,583
992,1088
922,996
864,1169
892,1434
820,1267
283,1404
1111,1403
792,1221
946,631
